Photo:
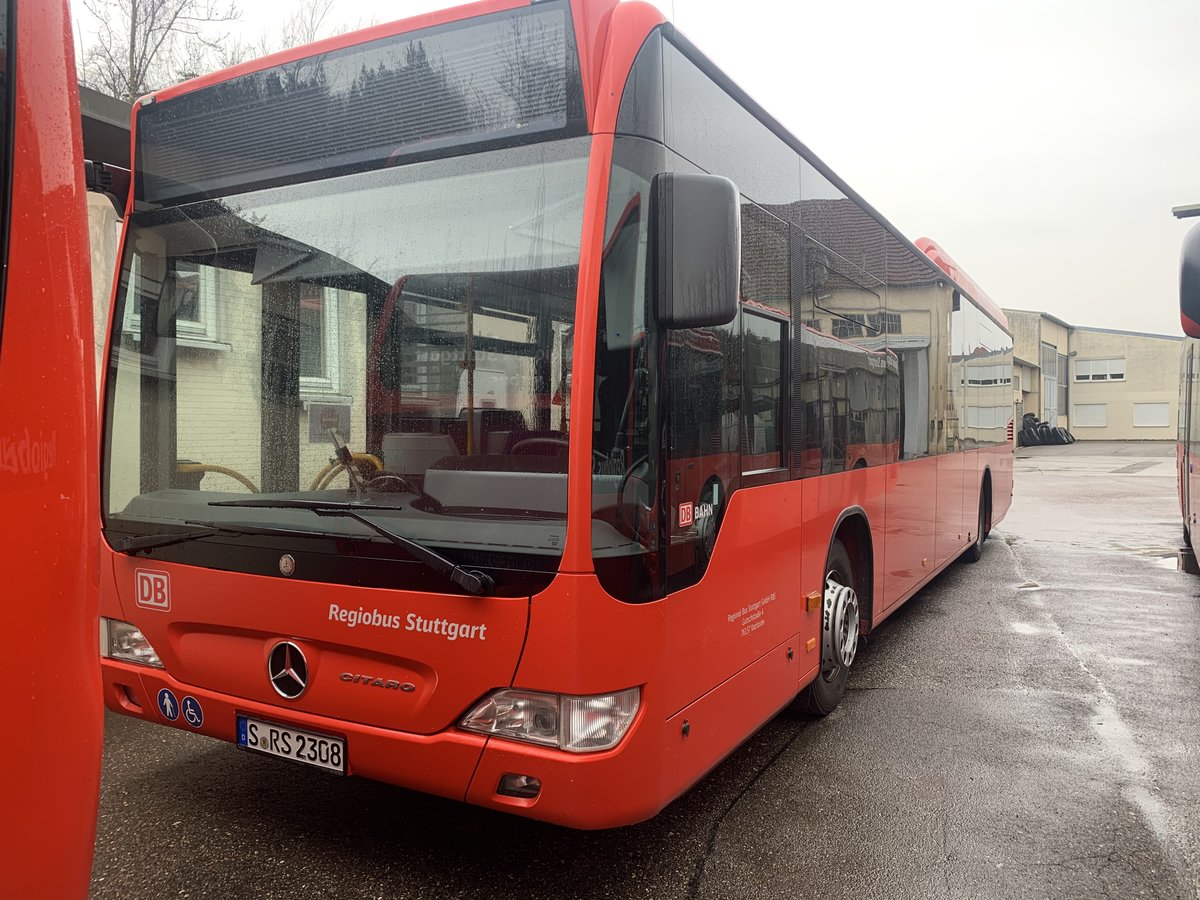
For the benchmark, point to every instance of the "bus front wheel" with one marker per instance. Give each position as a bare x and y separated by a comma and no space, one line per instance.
839,635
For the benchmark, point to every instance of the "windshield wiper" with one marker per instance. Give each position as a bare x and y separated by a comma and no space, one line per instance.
148,541
208,529
470,580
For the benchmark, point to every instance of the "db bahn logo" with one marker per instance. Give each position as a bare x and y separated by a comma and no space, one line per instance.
153,589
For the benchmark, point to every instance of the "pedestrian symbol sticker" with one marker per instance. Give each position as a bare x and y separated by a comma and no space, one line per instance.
167,705
192,713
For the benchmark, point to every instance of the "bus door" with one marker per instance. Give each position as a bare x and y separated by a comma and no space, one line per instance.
702,444
457,370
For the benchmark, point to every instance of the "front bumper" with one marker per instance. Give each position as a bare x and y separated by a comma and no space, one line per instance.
577,789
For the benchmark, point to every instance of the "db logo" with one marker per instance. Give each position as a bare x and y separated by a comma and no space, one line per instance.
687,515
153,589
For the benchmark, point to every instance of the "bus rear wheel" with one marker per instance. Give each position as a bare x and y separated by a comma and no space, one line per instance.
839,635
975,552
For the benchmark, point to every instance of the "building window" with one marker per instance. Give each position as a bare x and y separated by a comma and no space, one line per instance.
1062,382
989,374
849,325
1099,370
988,416
195,288
886,323
1090,415
1151,415
1049,360
318,323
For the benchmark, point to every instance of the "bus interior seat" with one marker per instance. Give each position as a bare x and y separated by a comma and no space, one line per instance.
412,453
546,442
493,428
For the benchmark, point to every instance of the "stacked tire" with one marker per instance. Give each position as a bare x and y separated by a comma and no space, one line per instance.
1034,433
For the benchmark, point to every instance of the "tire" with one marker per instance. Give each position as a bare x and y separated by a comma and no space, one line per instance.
822,696
984,527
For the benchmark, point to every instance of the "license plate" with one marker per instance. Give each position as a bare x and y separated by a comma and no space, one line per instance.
318,750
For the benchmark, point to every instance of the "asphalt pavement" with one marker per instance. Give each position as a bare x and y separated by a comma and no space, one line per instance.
1026,727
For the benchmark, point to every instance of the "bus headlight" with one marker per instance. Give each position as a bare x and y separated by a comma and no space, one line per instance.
577,724
120,640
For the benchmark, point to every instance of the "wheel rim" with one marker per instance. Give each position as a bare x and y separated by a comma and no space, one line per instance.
839,626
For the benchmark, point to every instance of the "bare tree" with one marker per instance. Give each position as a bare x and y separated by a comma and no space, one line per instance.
142,45
304,26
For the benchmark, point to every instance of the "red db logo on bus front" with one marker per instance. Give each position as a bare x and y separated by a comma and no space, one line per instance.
687,515
153,589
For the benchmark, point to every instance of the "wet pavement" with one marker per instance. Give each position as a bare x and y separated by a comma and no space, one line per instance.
1026,727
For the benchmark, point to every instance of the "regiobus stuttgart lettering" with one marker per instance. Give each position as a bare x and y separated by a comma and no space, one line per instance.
452,631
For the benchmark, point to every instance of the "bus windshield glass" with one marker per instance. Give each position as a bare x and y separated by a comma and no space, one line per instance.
399,337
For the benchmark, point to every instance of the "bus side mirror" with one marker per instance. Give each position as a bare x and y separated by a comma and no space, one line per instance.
1189,284
110,180
695,226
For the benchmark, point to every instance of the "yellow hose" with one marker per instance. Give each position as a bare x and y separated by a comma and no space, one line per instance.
192,468
331,471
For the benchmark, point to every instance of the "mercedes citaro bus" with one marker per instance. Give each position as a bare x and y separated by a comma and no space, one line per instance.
50,753
1188,446
501,404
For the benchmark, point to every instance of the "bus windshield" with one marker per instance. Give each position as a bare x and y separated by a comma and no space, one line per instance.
400,337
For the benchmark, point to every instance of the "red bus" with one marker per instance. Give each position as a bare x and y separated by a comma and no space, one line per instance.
51,752
1188,447
503,405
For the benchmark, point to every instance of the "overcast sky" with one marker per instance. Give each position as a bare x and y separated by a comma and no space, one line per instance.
1042,143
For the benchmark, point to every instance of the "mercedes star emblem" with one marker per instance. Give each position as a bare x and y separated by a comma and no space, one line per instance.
288,670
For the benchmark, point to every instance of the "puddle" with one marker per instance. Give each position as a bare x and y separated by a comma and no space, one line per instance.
1182,560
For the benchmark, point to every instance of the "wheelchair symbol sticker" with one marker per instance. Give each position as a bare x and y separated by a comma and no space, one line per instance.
167,705
192,713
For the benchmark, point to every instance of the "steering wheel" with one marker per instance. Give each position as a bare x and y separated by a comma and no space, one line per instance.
550,441
404,483
643,460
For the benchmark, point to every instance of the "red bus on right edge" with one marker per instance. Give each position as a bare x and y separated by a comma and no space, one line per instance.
1188,447
528,441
